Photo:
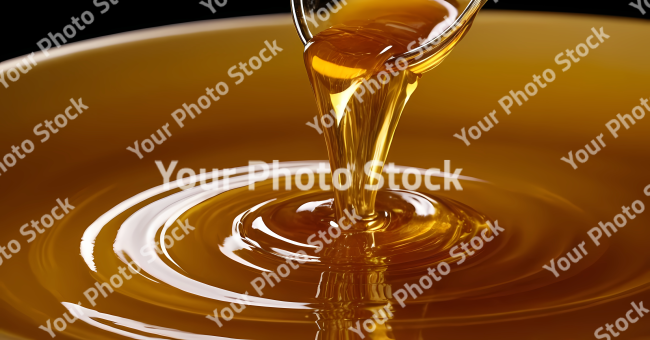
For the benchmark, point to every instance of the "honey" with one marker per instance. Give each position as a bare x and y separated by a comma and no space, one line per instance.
87,276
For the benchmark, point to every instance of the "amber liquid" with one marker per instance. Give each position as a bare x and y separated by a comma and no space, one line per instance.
358,80
501,292
354,81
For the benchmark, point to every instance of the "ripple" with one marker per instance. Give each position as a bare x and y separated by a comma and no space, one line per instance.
241,234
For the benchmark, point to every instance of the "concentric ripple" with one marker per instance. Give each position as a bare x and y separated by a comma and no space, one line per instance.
241,236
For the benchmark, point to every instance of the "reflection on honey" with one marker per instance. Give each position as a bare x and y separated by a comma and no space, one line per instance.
514,175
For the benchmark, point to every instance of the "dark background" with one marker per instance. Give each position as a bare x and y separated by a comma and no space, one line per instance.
23,23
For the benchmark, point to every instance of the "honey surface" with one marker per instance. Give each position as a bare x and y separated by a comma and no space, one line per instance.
502,292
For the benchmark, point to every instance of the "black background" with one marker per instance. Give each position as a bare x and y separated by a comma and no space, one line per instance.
23,23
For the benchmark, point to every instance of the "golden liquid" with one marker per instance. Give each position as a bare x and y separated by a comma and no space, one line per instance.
353,58
501,293
357,80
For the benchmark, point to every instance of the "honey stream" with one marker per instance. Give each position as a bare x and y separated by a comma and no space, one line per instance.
362,86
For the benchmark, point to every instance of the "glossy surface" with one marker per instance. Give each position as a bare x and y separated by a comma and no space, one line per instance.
363,93
502,292
439,24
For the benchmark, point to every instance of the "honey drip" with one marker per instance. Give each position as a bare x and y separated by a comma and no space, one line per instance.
354,81
358,79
